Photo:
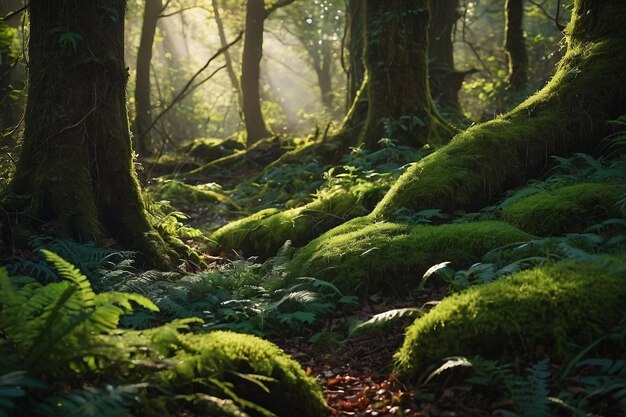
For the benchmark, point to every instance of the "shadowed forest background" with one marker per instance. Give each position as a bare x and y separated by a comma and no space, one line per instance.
312,208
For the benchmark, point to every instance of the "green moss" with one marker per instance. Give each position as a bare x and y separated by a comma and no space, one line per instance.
384,255
565,210
263,233
568,115
562,307
183,195
167,164
210,149
223,354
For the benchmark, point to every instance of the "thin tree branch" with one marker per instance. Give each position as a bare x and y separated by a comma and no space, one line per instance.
184,92
277,5
15,13
471,46
540,6
184,9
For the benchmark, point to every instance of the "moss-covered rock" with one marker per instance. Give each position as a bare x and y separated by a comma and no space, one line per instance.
224,355
263,233
567,209
210,149
183,195
562,307
384,255
166,164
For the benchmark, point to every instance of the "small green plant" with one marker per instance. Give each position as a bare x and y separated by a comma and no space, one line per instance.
529,393
69,338
382,320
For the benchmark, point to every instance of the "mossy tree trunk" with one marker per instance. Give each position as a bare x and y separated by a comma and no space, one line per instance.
396,59
76,167
515,44
568,115
143,102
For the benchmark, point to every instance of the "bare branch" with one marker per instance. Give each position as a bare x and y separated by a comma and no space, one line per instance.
540,6
15,13
189,87
277,5
179,11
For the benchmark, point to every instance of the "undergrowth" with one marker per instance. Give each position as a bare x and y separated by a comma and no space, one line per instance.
243,295
64,354
587,385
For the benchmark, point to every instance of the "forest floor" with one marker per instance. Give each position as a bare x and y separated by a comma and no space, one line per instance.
356,374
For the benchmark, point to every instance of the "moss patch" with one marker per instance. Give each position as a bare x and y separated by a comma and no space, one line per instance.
263,233
565,210
386,255
184,195
223,354
568,115
209,149
563,307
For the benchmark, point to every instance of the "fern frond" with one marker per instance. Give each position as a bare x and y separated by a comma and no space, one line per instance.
70,272
110,401
451,363
381,320
13,386
214,406
123,300
530,395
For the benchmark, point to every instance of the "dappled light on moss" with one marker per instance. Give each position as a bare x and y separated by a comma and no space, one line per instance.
563,307
364,253
565,210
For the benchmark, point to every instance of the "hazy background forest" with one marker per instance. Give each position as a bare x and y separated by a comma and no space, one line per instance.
297,37
313,208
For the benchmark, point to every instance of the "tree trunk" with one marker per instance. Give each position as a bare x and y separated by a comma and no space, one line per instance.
76,167
322,60
355,22
230,69
445,81
143,103
256,128
568,115
515,44
396,59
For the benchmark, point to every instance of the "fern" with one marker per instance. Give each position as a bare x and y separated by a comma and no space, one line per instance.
87,257
600,386
529,395
13,387
109,401
380,321
48,323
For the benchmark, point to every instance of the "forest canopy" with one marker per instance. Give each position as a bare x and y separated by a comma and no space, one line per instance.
312,208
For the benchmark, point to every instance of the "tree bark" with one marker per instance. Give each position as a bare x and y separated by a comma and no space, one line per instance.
256,128
515,44
321,56
445,80
568,115
143,102
76,168
396,59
